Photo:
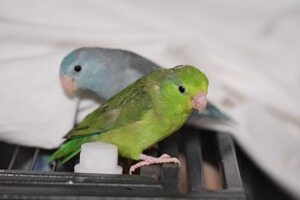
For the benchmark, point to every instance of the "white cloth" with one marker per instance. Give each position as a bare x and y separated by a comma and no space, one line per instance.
249,50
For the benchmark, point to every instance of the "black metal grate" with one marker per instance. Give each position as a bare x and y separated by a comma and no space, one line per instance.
25,175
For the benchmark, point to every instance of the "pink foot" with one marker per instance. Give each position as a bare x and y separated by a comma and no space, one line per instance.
149,160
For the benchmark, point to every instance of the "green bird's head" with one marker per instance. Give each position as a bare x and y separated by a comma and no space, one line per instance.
185,87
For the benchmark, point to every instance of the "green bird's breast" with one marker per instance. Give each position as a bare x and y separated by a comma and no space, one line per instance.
134,138
164,116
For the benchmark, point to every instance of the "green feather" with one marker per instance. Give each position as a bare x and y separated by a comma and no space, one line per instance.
141,115
66,159
67,150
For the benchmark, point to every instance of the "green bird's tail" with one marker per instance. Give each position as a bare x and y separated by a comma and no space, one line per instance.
68,150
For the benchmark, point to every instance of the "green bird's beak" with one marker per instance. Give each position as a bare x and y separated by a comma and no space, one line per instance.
199,101
68,84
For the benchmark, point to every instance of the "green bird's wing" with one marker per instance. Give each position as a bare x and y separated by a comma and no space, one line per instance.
127,107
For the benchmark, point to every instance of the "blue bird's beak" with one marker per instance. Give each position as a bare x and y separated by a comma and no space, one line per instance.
69,84
199,101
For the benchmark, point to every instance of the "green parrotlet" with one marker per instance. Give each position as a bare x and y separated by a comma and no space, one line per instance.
141,115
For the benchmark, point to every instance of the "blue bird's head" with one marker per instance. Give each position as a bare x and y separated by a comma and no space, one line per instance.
83,69
102,71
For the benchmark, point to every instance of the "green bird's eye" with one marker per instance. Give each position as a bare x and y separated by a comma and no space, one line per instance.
77,68
181,89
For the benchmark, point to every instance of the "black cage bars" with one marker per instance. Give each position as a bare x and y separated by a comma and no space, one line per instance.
25,175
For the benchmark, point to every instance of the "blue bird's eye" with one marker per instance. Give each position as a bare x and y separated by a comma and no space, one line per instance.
77,68
181,89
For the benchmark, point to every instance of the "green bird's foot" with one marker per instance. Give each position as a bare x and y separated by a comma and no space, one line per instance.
149,160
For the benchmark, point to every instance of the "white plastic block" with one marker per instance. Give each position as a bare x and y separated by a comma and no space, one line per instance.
98,157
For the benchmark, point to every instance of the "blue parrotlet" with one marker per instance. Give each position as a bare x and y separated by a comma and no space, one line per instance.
107,71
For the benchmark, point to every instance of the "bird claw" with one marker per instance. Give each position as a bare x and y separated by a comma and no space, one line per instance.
149,160
165,156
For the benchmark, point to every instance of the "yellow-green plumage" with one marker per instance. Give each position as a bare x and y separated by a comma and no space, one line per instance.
141,115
